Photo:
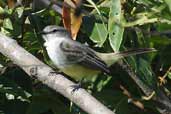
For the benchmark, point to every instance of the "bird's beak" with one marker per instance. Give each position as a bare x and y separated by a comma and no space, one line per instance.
44,35
41,32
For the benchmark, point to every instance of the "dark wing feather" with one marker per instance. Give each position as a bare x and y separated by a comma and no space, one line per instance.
83,55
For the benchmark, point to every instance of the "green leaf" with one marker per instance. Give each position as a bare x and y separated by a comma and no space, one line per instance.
1,10
145,72
168,2
115,30
96,28
145,2
169,75
94,5
7,24
102,83
99,34
160,41
20,11
30,40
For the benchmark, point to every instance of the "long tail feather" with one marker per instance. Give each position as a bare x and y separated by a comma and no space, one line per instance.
135,52
111,58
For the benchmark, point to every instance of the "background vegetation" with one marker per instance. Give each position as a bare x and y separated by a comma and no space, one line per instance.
106,26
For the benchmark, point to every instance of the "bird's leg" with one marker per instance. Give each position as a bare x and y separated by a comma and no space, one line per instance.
77,86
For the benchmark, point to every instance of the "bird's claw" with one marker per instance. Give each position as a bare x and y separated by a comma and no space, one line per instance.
75,87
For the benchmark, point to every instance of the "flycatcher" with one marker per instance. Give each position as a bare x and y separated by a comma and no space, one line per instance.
78,60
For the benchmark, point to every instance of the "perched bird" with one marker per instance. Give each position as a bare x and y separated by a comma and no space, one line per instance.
78,60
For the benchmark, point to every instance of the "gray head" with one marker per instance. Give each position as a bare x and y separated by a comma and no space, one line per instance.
52,32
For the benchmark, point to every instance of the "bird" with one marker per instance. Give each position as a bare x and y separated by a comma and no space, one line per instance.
77,60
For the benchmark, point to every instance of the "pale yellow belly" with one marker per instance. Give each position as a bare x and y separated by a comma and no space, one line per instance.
79,72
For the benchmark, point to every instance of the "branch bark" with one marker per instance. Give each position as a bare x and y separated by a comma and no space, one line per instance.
40,4
59,83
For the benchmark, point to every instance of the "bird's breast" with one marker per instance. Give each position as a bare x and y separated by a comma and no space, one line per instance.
55,53
78,72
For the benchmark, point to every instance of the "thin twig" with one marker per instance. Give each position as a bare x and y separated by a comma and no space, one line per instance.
162,78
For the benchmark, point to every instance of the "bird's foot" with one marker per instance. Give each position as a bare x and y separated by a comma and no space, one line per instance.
76,87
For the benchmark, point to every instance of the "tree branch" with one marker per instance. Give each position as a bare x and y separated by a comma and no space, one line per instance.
162,101
59,83
40,4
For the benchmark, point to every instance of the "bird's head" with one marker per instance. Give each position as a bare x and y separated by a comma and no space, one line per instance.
53,32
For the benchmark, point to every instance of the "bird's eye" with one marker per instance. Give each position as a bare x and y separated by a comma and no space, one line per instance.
54,30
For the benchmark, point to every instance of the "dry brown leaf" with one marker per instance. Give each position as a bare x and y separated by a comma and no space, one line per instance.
66,18
71,21
11,3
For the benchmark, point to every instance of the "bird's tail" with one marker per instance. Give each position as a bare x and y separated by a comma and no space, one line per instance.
111,58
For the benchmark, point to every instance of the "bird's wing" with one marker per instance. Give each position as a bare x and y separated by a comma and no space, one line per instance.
83,55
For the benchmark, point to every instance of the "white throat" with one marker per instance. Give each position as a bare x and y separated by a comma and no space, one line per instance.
54,51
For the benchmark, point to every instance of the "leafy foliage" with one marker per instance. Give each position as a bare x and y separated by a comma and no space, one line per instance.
109,25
